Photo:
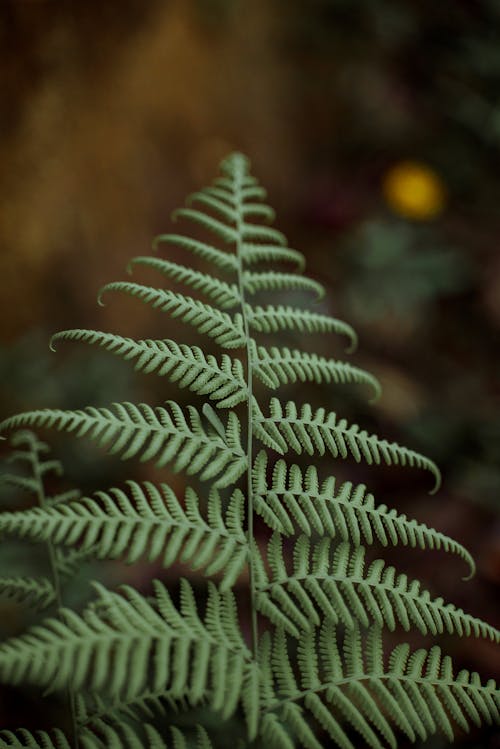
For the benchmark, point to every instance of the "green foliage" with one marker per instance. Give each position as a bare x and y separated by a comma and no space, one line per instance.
315,667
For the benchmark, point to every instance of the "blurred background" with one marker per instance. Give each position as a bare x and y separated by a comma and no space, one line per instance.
375,127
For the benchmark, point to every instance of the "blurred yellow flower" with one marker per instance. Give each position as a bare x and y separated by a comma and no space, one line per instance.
414,191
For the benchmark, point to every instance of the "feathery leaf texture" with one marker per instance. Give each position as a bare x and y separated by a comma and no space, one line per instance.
271,318
90,708
227,331
339,587
104,735
258,253
221,258
127,645
320,665
275,367
159,434
36,591
224,294
147,521
294,497
187,366
23,739
31,453
416,693
254,283
305,430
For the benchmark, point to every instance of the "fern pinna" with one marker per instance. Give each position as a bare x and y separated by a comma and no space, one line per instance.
315,668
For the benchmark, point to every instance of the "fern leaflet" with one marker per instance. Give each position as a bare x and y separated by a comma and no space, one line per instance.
222,293
152,434
344,592
319,431
150,523
224,329
418,691
275,367
188,366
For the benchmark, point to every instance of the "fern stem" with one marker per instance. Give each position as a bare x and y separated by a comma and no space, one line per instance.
57,587
238,178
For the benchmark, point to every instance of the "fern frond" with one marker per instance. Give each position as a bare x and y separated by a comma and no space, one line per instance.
24,483
220,229
257,233
258,253
417,695
36,591
151,434
318,431
273,281
225,260
24,739
218,200
227,331
270,319
258,210
151,523
225,198
225,203
90,708
246,232
223,294
345,592
103,735
275,367
223,381
127,645
296,498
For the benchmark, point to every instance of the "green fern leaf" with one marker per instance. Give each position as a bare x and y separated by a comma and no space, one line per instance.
188,366
221,230
90,708
159,646
151,434
226,331
294,498
417,695
344,592
103,735
218,200
258,253
149,522
224,203
23,739
38,592
30,451
319,431
315,670
271,281
275,367
24,483
271,319
223,294
225,260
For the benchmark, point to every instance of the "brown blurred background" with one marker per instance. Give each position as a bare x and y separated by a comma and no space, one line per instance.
375,127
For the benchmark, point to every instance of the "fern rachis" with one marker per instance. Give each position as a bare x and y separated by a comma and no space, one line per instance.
312,661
